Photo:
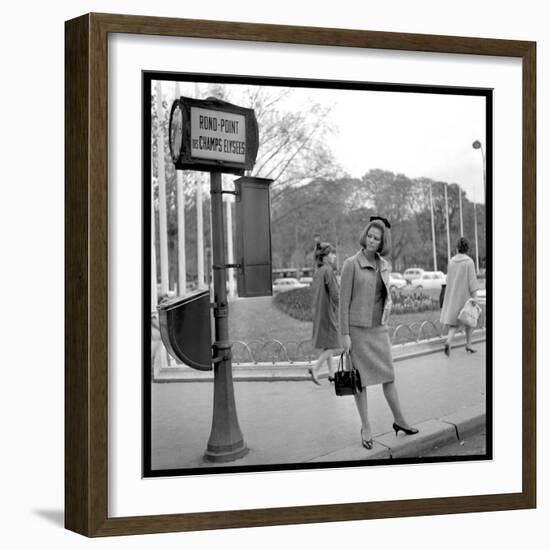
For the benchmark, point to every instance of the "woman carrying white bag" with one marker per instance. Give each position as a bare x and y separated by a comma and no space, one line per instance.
459,305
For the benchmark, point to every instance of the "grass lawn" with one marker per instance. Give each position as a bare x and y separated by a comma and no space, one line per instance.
258,319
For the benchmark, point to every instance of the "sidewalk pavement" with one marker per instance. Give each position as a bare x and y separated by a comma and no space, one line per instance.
293,421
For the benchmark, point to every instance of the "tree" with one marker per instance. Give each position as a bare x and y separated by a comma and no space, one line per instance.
190,181
424,222
293,148
398,199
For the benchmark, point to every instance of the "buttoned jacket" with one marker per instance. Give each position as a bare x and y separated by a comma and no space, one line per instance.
358,290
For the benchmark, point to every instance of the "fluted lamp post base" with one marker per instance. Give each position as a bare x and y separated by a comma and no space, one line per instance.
225,453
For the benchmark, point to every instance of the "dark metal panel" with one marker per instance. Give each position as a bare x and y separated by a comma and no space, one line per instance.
186,331
253,237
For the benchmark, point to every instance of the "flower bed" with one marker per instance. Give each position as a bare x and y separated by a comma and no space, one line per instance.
297,303
413,303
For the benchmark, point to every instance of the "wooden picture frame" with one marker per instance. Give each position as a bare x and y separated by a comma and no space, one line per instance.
86,279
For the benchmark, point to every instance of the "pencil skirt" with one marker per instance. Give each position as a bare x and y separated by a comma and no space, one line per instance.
371,354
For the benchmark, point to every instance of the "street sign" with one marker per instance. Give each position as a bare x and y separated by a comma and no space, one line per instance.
215,136
212,135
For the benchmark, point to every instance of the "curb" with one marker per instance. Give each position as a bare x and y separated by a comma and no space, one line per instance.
432,433
467,421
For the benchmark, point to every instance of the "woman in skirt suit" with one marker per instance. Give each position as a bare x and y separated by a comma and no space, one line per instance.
324,303
365,305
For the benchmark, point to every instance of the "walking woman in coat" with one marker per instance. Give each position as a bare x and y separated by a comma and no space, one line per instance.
365,305
462,285
324,304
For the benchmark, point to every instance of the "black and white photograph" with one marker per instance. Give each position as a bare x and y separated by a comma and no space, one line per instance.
316,274
287,265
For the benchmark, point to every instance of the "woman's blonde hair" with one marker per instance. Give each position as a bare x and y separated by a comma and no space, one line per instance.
385,239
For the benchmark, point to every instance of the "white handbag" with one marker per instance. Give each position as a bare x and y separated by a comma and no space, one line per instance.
469,314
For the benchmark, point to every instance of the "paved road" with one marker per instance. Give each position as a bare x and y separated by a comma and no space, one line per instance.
296,421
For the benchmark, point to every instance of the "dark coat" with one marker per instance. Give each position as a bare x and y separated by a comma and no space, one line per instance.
324,304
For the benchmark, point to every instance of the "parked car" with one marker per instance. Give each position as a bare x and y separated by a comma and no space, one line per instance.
429,280
412,273
397,280
171,293
482,296
305,280
286,283
482,278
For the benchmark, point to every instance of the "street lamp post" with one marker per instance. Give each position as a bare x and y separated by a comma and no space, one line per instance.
477,145
475,233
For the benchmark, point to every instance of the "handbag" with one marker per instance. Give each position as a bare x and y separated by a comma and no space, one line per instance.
347,381
469,314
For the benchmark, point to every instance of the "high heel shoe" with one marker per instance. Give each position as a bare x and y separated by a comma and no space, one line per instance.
367,443
447,350
471,350
407,431
314,378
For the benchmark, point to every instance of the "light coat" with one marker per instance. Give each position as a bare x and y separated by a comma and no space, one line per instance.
357,292
461,286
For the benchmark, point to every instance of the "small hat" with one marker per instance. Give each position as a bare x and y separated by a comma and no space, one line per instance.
383,220
323,249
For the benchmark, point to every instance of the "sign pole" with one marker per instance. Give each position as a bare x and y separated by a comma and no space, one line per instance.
460,203
182,266
447,222
433,227
163,223
226,441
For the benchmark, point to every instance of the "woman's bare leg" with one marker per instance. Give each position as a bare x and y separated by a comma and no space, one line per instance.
468,336
450,335
329,361
325,354
362,409
325,357
314,371
392,397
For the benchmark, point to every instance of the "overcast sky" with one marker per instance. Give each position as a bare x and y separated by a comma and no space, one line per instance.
414,134
418,135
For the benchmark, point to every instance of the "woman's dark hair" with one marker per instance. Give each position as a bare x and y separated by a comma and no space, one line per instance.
462,245
322,250
385,240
